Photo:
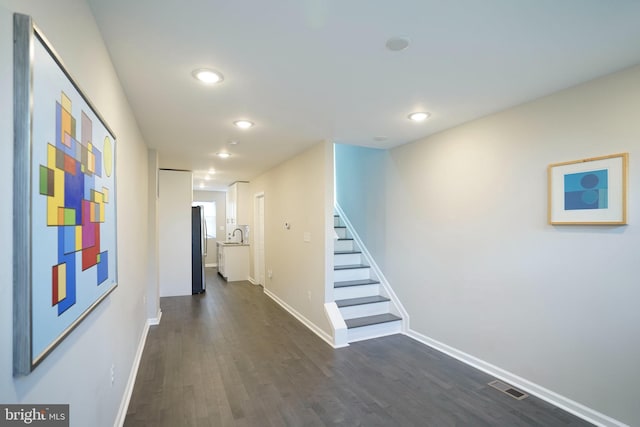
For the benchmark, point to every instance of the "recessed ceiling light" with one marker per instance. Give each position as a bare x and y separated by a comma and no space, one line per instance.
207,76
223,155
396,44
243,124
207,178
418,116
233,142
202,185
212,171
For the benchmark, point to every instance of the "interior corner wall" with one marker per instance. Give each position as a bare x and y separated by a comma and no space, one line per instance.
77,372
219,197
153,281
295,194
361,194
174,222
472,258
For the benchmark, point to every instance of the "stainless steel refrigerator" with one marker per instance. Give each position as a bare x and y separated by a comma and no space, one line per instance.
198,249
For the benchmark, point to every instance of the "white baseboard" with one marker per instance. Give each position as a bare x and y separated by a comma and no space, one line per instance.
128,390
156,320
553,398
309,324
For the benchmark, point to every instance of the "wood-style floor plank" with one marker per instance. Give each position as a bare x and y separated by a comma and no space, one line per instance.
232,357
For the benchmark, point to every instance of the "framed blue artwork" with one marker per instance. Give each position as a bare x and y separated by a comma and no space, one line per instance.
589,191
65,254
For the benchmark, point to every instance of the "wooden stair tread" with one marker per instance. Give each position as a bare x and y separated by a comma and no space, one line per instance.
339,226
345,238
350,266
346,252
361,301
371,320
355,283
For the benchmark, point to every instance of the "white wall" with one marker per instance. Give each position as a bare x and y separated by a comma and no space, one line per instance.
174,221
78,370
471,256
219,198
296,192
361,193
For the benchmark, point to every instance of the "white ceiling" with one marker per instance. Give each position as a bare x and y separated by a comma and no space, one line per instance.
310,70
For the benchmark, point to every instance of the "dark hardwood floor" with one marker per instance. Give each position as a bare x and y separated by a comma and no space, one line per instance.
233,357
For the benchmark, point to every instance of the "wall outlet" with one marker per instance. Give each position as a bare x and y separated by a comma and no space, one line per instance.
306,236
309,295
270,273
113,373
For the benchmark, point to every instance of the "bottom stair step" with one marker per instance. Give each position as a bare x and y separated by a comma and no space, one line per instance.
371,320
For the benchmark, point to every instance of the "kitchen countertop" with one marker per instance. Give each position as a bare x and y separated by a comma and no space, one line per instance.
231,243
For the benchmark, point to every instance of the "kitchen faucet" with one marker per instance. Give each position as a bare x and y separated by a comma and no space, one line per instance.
241,234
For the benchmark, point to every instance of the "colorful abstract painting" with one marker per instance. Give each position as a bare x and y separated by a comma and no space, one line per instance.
75,206
70,209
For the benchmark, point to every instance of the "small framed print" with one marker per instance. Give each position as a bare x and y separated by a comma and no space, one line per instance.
589,191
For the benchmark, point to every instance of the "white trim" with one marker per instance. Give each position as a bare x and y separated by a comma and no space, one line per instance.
211,264
340,332
573,407
383,280
308,323
153,321
128,391
253,281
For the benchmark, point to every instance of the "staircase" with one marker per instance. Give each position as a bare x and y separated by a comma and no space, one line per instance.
359,295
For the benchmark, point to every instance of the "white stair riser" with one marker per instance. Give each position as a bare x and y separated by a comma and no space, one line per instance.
374,331
364,310
351,274
356,291
343,245
341,232
347,259
336,221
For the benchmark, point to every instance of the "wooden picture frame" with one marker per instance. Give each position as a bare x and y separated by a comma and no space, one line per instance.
65,249
590,191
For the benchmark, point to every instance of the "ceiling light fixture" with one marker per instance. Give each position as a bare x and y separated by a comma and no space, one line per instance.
233,142
207,76
396,44
212,171
243,124
223,155
419,116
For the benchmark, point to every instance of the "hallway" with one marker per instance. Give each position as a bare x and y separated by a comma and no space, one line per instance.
233,357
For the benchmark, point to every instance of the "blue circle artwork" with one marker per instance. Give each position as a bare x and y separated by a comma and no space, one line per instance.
590,196
586,190
589,181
